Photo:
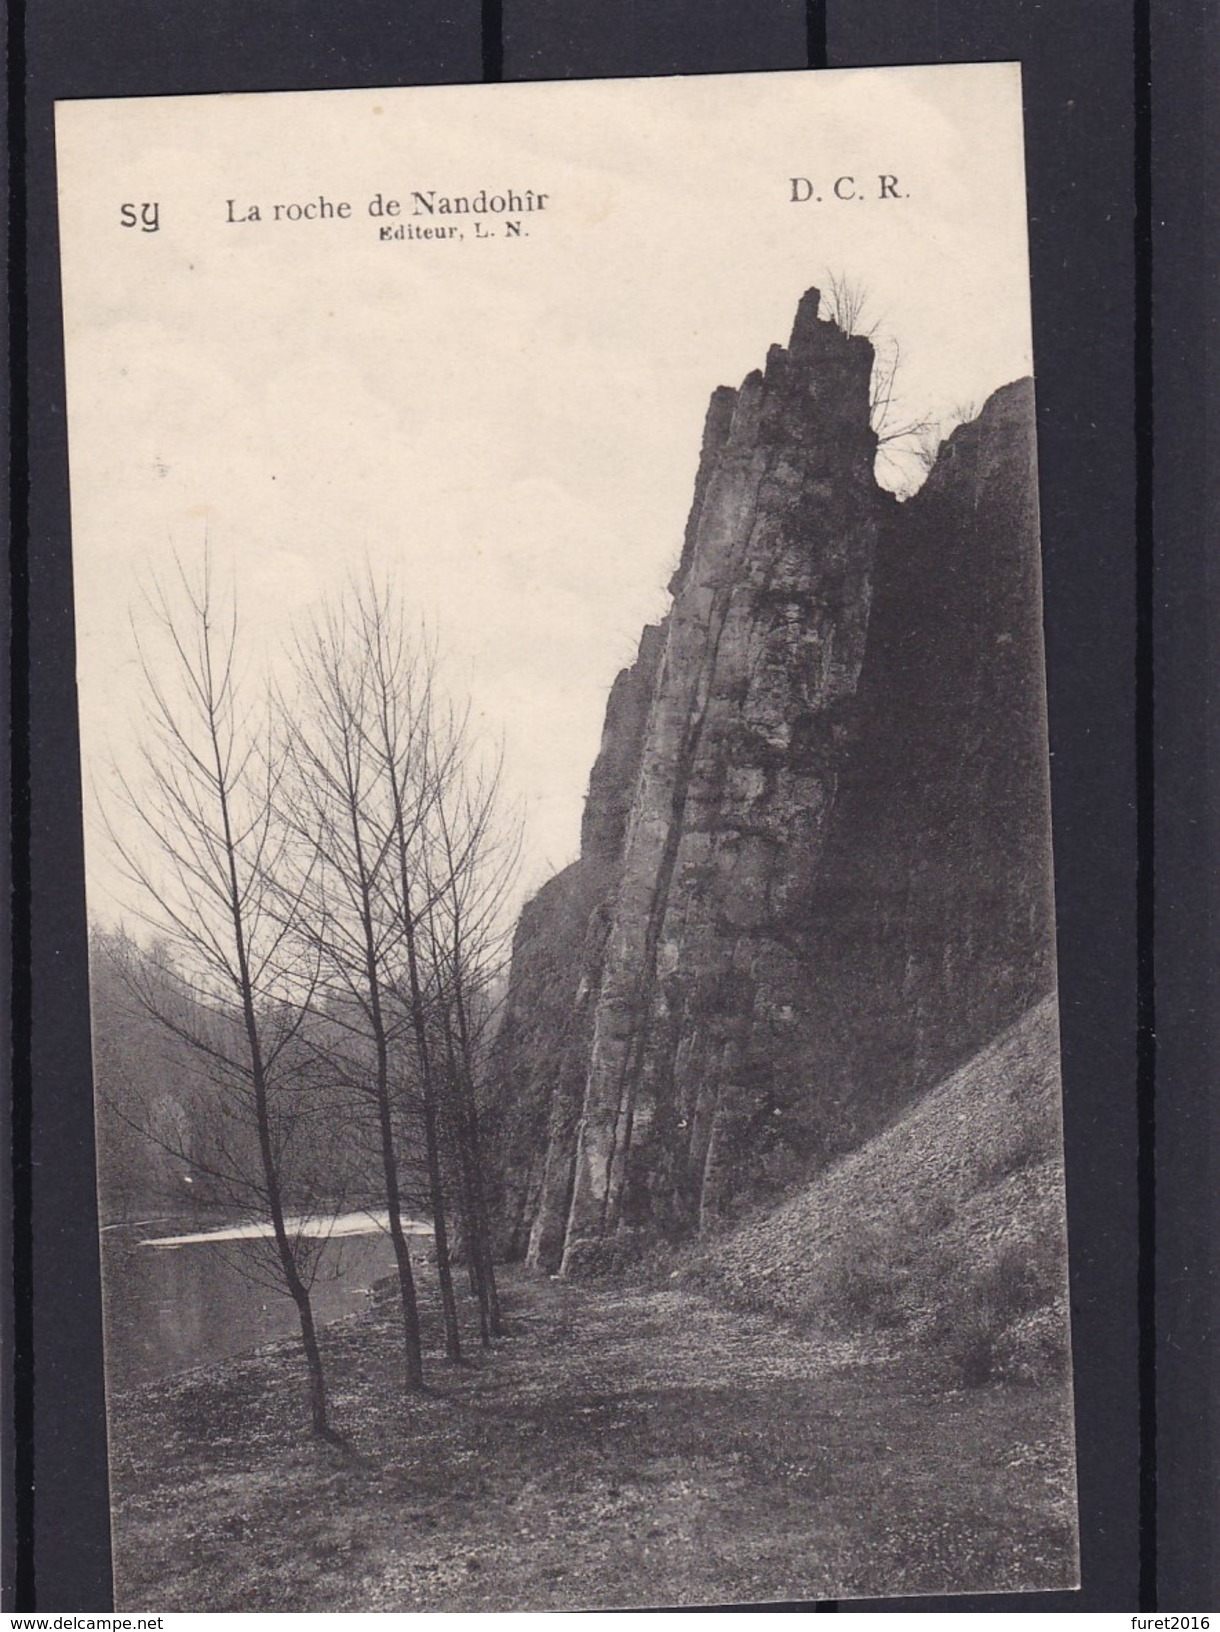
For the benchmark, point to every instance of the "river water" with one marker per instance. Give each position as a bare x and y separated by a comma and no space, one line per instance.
177,1296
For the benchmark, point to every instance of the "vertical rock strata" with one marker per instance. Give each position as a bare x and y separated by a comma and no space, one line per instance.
931,927
543,1046
814,868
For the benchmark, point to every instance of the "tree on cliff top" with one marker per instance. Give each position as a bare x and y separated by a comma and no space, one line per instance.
906,443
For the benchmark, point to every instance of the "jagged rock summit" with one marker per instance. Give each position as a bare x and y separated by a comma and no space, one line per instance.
814,872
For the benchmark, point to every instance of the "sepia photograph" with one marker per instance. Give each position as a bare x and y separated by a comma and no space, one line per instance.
567,811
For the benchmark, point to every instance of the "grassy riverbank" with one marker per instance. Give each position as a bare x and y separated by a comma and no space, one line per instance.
624,1447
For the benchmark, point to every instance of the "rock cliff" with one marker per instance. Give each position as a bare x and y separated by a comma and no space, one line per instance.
814,872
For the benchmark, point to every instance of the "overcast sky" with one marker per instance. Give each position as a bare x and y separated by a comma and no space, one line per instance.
511,425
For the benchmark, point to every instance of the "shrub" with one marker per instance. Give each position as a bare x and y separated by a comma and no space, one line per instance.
1031,1138
969,1348
1016,1280
1034,1349
998,1318
866,1284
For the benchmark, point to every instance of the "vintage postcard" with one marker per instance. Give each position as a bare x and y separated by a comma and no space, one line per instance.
562,709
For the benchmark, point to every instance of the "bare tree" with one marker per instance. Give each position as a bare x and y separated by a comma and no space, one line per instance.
846,300
471,861
337,804
202,844
410,860
403,711
902,436
408,864
331,873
